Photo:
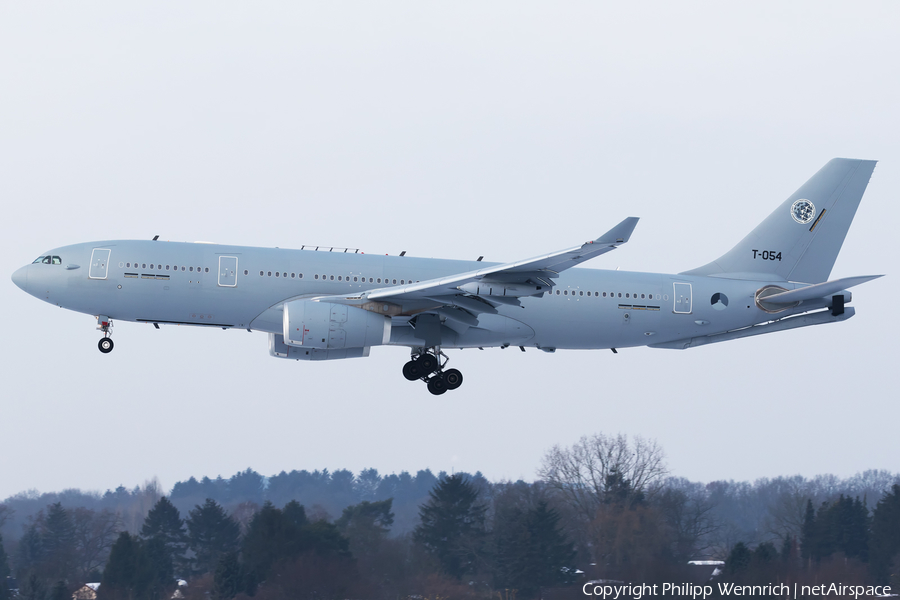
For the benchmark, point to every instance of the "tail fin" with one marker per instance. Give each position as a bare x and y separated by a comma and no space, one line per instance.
800,240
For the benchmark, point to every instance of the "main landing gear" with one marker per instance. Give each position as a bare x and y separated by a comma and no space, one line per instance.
105,344
427,366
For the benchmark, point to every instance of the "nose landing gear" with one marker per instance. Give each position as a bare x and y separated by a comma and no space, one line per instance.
105,344
427,366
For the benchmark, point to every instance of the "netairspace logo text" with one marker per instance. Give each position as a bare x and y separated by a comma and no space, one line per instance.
687,590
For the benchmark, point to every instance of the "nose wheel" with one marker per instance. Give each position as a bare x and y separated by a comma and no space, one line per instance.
427,367
105,344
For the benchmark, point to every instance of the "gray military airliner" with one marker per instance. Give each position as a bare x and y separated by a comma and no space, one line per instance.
328,303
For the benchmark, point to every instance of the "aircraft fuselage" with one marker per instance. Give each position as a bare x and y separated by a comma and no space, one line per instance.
184,283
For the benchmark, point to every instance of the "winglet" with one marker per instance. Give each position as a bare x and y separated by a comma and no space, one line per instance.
619,234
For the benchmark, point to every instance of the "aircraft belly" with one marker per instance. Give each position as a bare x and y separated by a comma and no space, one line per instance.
492,330
585,325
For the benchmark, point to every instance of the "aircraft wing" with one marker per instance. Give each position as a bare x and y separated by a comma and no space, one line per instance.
533,271
459,298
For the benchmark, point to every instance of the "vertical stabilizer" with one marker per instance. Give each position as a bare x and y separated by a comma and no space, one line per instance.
800,240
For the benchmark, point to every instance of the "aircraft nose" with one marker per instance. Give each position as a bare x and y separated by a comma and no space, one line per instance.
20,278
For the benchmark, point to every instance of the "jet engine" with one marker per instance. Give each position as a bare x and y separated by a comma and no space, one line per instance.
327,326
279,349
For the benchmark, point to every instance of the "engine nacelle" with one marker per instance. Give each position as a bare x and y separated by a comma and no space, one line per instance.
326,326
279,349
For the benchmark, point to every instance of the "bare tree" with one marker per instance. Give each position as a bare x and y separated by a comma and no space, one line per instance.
582,473
689,516
5,513
95,534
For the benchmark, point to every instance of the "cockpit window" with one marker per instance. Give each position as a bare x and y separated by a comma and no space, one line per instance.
47,260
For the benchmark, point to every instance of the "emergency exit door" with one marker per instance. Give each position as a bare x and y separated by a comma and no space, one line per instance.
682,298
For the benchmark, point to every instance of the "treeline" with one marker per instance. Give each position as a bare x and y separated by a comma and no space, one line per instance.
604,508
841,539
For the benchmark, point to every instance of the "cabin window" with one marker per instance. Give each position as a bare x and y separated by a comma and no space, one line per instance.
192,269
261,273
300,276
292,275
332,278
246,272
206,270
356,279
604,294
557,292
395,282
269,273
339,278
167,267
379,280
277,274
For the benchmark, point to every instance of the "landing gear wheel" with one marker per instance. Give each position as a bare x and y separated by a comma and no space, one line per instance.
412,371
428,363
452,378
437,385
105,345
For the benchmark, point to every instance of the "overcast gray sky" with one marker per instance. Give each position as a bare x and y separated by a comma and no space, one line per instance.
450,130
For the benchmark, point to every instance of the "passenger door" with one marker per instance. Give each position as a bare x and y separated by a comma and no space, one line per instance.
99,263
228,271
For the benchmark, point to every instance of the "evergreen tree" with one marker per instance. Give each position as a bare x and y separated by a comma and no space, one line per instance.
4,573
885,541
59,592
164,522
765,553
228,580
58,542
841,526
739,558
551,554
211,533
30,553
271,536
136,570
295,513
452,526
324,539
120,575
366,525
155,568
531,551
808,533
618,490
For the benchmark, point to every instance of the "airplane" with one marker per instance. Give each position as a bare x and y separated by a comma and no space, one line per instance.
320,303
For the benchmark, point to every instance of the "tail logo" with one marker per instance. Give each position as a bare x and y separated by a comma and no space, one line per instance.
803,211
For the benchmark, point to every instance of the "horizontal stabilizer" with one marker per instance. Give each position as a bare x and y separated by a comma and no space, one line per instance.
820,290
